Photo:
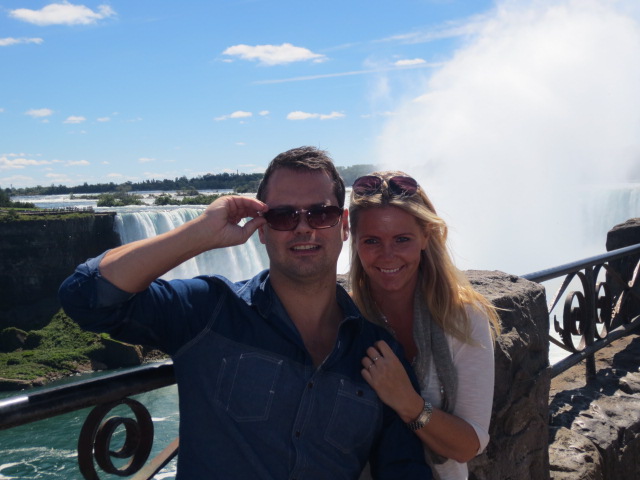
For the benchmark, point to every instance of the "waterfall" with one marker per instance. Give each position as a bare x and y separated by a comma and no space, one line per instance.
593,211
236,263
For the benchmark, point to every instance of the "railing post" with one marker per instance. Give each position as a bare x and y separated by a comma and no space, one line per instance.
590,327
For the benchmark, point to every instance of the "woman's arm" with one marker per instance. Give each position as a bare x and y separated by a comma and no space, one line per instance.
452,436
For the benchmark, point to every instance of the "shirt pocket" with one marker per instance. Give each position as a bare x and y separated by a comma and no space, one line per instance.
246,386
355,418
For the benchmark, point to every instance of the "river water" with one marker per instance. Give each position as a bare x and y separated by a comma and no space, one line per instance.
47,449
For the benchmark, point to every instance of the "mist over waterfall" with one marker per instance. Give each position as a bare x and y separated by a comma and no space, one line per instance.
236,263
528,138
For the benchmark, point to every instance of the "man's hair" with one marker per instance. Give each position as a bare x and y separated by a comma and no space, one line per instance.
304,159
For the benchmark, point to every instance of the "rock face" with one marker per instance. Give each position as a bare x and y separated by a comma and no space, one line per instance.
595,428
519,424
37,255
625,235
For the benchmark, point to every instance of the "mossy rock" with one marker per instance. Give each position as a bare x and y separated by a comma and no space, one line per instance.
12,339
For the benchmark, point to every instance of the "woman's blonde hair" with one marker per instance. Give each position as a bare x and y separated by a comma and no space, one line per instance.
446,290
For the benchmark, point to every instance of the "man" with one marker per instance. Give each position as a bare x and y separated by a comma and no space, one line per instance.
268,369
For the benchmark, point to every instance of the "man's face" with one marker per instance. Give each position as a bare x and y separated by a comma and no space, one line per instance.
304,253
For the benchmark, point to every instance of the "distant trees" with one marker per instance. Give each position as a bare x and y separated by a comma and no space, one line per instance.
121,198
5,201
236,182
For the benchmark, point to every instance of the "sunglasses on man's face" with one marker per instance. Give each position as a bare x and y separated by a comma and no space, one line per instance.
397,186
288,218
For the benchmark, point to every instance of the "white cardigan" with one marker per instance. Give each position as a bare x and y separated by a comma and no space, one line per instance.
475,368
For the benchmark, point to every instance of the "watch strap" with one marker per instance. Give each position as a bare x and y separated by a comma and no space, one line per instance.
422,419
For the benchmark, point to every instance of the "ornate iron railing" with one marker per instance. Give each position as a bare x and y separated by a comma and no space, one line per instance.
94,442
595,313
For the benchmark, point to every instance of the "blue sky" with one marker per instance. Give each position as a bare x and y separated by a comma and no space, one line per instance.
97,91
516,116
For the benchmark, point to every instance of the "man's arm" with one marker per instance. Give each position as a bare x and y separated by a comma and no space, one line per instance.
132,267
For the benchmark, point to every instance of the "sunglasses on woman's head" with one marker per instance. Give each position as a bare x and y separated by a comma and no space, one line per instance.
397,186
288,218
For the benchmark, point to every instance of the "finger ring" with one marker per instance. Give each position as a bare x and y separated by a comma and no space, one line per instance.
374,359
371,365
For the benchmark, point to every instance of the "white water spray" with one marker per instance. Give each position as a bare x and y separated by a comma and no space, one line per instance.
527,138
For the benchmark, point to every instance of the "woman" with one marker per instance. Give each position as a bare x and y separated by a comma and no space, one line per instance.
403,277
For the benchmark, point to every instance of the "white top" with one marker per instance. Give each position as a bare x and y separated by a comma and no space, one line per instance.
475,368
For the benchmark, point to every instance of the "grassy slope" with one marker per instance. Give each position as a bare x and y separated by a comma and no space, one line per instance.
58,349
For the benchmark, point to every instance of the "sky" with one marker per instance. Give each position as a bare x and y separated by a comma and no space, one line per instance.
95,91
516,116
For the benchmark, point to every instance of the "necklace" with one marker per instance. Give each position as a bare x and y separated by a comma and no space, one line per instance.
387,325
390,329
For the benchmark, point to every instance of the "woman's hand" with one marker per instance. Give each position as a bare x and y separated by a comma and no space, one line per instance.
386,374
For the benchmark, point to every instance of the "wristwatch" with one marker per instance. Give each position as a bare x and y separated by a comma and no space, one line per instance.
422,419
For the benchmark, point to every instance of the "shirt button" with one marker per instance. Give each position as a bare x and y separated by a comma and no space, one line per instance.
298,434
310,385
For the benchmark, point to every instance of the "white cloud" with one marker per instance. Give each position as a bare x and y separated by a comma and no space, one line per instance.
103,119
39,112
75,119
408,63
146,160
298,115
63,13
237,114
513,135
6,42
369,71
17,181
115,175
262,113
274,54
60,178
19,161
452,29
78,163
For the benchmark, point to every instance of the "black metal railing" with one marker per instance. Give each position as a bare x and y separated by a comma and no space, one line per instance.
590,313
94,442
595,313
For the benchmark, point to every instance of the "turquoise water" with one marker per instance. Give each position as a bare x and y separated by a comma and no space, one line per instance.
48,449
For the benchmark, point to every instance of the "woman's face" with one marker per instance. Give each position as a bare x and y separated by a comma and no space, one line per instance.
389,241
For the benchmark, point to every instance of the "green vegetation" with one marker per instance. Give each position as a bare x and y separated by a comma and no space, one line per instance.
120,199
60,347
222,181
5,201
237,182
15,215
198,199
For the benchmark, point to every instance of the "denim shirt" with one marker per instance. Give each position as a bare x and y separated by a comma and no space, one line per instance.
252,404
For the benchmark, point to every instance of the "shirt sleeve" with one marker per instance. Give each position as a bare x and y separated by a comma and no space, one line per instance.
166,315
476,375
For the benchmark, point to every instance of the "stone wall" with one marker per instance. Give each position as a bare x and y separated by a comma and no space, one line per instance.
37,255
625,235
518,448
